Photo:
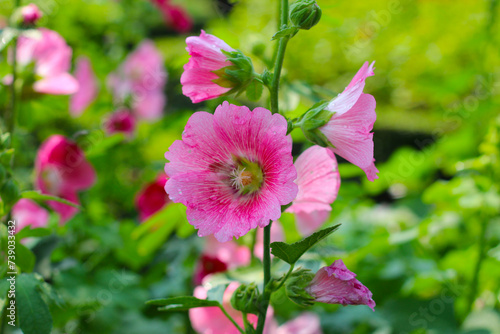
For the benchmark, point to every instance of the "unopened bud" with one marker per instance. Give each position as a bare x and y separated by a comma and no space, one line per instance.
305,14
296,284
246,298
30,14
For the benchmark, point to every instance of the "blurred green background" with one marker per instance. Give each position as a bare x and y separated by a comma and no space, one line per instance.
424,237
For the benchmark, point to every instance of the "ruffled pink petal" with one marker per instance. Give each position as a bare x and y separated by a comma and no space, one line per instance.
198,86
88,89
351,136
60,84
351,94
310,222
201,163
27,213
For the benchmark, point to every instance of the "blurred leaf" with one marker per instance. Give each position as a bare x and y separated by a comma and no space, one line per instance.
25,259
28,232
181,303
291,253
34,315
32,194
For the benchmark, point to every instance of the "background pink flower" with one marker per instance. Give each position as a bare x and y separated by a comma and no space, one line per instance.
52,58
30,13
120,121
176,16
206,57
88,88
277,234
142,77
349,128
218,257
318,179
233,170
152,198
27,213
337,285
306,323
62,170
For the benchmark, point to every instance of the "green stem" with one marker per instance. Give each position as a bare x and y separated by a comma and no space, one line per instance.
286,277
479,262
275,84
232,320
266,294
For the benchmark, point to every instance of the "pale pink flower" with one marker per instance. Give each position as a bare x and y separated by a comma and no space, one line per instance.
233,170
219,257
62,170
306,323
206,57
88,88
120,121
318,179
27,213
349,128
176,16
142,77
277,234
152,198
211,320
30,13
52,58
337,285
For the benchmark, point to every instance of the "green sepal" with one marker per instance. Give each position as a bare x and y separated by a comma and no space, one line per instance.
246,298
296,284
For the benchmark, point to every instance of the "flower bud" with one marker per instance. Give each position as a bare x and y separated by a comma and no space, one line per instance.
305,14
246,298
30,14
296,285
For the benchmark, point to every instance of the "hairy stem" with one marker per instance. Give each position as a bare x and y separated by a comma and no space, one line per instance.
266,295
283,41
479,262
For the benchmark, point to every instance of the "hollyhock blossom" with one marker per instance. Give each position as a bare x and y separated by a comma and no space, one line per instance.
318,179
219,257
87,83
306,323
152,198
349,128
233,170
62,170
337,285
30,13
206,57
121,121
141,77
277,234
27,213
178,18
211,320
52,58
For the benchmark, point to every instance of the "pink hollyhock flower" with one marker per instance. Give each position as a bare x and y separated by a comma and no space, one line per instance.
206,57
87,82
277,234
218,257
27,213
178,18
318,179
152,198
62,170
349,128
233,170
211,320
52,58
306,323
121,121
142,76
30,14
337,285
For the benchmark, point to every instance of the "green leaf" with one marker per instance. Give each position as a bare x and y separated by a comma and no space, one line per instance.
6,36
32,194
291,253
25,259
254,90
291,31
4,287
33,314
181,303
29,232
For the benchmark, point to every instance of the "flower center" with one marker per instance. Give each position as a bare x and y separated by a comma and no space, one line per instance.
247,177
